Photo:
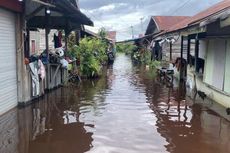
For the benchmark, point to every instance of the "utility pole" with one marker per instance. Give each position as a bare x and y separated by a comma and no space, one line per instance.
142,24
132,32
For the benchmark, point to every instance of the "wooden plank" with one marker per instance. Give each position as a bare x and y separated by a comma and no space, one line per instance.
181,56
170,50
188,50
55,74
196,53
34,12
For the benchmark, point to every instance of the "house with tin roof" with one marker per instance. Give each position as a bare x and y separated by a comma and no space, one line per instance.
208,69
158,25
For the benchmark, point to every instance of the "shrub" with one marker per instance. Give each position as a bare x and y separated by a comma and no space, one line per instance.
126,48
91,53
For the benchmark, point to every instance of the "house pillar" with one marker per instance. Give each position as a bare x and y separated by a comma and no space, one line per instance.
196,53
170,51
47,30
188,50
27,43
47,34
20,53
181,58
66,40
78,36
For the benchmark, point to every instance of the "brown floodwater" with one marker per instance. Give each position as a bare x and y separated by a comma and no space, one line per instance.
126,111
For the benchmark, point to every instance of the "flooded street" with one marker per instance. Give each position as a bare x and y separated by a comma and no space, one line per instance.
123,112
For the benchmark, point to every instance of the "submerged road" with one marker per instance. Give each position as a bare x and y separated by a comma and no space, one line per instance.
126,111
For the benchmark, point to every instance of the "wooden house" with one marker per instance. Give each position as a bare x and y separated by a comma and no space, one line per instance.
208,66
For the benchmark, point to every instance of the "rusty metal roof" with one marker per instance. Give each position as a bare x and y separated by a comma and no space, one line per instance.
165,22
198,18
112,35
219,7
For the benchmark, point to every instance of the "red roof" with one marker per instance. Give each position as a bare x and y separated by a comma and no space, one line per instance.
215,9
112,35
219,7
165,22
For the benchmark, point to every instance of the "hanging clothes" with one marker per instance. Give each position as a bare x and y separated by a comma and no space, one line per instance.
59,39
41,70
35,78
42,75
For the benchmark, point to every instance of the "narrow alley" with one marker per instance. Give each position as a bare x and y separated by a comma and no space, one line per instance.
124,111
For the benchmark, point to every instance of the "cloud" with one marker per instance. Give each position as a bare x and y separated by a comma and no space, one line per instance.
120,15
107,8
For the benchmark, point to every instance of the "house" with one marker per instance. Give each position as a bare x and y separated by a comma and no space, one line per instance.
158,25
18,19
208,66
161,23
10,46
112,36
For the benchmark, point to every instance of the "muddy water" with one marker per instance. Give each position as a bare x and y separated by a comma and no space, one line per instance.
124,112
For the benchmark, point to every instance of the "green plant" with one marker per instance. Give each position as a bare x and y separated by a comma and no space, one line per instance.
126,48
102,33
91,53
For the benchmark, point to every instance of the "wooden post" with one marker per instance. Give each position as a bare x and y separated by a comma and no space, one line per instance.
47,48
182,47
78,36
188,50
66,42
27,43
196,53
47,34
170,51
188,55
181,57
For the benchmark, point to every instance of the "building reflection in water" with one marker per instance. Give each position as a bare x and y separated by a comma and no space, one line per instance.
187,126
49,127
63,121
53,124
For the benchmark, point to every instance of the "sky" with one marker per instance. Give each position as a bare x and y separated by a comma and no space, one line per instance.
120,15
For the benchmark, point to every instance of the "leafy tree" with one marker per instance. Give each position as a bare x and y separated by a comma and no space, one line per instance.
102,33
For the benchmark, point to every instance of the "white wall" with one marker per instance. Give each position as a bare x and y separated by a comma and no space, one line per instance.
202,49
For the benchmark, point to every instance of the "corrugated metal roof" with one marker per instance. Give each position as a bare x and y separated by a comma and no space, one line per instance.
215,9
112,35
219,7
165,22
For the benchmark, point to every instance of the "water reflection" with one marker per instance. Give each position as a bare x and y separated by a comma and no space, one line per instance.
53,123
124,111
186,126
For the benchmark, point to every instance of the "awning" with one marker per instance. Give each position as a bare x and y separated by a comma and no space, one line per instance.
64,15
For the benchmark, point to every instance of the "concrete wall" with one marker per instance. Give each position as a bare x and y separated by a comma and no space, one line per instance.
227,69
22,70
206,82
210,49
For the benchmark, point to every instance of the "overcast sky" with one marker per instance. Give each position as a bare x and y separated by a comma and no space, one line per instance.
120,15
